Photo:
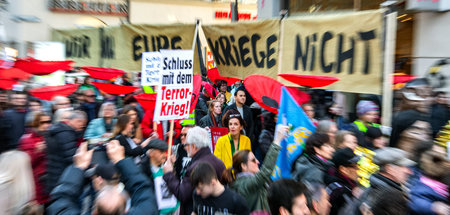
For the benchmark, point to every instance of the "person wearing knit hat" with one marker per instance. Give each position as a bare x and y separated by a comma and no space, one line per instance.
367,112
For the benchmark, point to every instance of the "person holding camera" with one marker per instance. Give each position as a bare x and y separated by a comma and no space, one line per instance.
109,200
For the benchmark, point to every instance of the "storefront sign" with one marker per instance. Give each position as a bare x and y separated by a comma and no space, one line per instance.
116,8
227,15
174,94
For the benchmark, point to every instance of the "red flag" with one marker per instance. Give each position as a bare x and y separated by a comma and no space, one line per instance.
103,73
114,89
47,93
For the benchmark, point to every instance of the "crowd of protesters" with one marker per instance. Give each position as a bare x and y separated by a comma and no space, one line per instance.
85,155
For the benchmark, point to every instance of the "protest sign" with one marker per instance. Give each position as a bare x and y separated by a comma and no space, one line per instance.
151,68
216,133
174,94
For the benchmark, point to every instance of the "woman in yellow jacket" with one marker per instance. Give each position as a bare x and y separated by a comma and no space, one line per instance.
234,141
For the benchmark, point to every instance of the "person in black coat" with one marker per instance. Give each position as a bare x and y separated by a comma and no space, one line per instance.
201,109
213,118
267,134
90,106
245,111
109,200
16,116
62,144
440,113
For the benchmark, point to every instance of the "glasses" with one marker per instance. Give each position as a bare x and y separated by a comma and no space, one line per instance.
91,96
235,115
183,135
46,122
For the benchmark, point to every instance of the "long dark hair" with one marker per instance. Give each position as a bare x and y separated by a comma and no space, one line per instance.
121,124
239,158
232,113
269,121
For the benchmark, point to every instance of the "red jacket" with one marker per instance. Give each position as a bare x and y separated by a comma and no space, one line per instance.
147,126
28,143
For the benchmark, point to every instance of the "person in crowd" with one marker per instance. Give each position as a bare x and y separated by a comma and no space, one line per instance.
244,111
123,133
234,141
109,200
102,127
62,115
16,115
246,178
318,203
222,99
430,194
267,134
386,202
197,147
130,100
233,90
336,114
373,139
393,174
60,102
34,105
222,85
367,112
213,119
5,131
211,197
346,139
162,128
309,110
409,129
90,106
342,181
62,143
440,112
152,168
87,84
287,196
201,108
136,133
182,159
16,183
33,143
329,128
315,162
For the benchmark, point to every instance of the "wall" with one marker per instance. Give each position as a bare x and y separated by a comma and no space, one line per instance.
431,42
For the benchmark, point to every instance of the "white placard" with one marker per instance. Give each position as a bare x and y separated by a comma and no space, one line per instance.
175,92
151,69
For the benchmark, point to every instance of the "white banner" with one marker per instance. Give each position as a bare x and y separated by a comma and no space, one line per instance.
174,94
151,69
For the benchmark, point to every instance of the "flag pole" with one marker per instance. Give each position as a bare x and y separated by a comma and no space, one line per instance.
170,138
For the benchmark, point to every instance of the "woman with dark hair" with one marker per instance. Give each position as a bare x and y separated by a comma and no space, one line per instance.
315,161
213,117
33,143
267,134
123,132
234,141
136,132
222,99
247,179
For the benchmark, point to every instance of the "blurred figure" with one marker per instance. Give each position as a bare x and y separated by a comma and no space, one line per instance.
318,203
162,127
336,114
211,197
247,179
34,105
60,102
16,183
386,202
346,139
123,133
286,197
130,100
62,144
393,174
222,99
310,112
267,134
62,115
342,181
213,118
373,139
182,159
16,115
329,128
33,143
367,112
311,166
90,106
152,168
234,141
109,200
197,147
102,127
222,87
440,112
430,194
136,132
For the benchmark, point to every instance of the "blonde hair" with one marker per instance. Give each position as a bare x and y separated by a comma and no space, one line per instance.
16,180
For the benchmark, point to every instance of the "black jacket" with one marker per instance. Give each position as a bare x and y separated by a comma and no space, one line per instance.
129,152
340,190
17,120
206,121
66,195
62,144
248,117
201,109
265,140
92,113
